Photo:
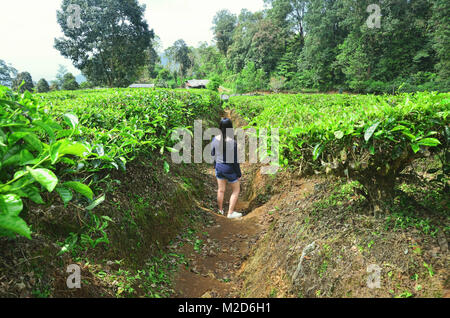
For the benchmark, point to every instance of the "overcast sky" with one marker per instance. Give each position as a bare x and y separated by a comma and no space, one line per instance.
28,29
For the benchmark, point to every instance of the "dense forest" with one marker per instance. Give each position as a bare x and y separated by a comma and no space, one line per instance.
322,45
292,45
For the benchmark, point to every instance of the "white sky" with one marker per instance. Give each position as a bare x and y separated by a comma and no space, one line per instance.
28,29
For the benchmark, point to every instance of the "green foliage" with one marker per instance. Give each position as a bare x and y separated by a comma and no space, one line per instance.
328,45
69,82
45,142
367,138
440,23
111,42
94,234
42,86
7,73
24,82
208,61
250,79
121,123
86,85
32,145
224,24
179,55
164,79
214,83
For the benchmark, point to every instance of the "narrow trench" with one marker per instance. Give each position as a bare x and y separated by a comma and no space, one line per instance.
214,271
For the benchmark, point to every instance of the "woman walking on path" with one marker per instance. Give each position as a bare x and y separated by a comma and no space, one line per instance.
227,167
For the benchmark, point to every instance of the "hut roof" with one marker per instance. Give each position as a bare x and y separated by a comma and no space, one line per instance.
142,86
197,83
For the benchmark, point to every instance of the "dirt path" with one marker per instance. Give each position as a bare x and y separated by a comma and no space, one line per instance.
214,269
226,244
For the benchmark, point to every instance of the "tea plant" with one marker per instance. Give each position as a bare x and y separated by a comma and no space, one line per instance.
370,139
60,141
32,145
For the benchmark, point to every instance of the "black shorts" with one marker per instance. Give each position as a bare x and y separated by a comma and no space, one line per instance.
226,172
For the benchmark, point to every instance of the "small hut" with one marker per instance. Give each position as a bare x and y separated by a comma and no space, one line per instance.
197,83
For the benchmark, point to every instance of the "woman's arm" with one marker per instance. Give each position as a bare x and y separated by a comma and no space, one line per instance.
213,151
236,165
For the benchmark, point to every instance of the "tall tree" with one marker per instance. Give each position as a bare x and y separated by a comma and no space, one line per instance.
111,42
70,83
267,45
42,86
179,53
224,23
7,73
208,60
62,71
23,77
441,37
238,53
289,14
323,36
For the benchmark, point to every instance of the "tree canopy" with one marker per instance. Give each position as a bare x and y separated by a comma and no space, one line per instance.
292,45
179,54
42,86
331,45
7,73
69,82
23,77
111,42
224,24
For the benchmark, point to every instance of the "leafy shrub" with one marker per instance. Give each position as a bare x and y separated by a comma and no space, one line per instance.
47,140
32,144
125,122
214,83
367,138
250,79
86,85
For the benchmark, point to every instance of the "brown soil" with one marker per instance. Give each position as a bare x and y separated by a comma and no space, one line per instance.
215,270
148,208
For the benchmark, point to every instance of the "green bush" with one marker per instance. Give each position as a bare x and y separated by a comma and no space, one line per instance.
251,79
214,83
86,85
48,140
368,138
33,143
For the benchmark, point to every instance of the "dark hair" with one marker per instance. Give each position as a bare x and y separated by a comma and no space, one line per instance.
226,126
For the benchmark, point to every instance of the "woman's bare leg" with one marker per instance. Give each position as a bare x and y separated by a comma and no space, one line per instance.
221,192
236,187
